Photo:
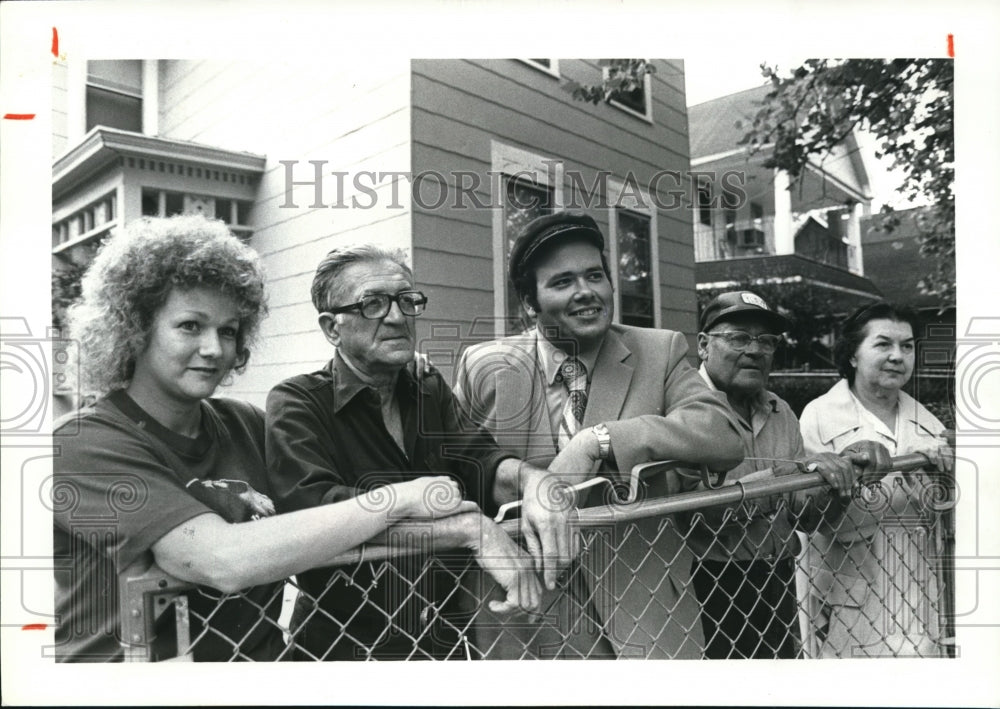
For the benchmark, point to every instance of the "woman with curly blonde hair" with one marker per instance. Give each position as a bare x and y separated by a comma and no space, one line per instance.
169,309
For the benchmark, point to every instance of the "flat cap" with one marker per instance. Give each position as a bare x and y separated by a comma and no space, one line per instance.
543,230
726,305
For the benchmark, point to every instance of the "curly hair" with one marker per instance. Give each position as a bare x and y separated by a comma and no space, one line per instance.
132,276
853,331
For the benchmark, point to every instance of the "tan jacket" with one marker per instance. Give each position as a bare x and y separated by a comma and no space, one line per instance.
656,407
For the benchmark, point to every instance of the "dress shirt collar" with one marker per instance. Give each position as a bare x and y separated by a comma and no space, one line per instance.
551,357
347,381
844,410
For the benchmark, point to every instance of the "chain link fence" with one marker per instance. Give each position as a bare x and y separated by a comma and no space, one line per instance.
869,577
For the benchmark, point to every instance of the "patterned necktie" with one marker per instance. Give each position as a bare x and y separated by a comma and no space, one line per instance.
574,376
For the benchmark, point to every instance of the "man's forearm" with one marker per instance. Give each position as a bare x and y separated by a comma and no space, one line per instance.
459,531
575,465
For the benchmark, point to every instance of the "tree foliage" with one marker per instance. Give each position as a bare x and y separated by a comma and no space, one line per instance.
623,77
907,104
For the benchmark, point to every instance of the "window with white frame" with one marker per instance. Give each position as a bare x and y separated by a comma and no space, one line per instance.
638,101
634,256
114,94
530,186
546,66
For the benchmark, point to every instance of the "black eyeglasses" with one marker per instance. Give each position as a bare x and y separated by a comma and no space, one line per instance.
377,305
739,341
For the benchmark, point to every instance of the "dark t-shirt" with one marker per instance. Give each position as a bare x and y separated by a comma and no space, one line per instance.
121,482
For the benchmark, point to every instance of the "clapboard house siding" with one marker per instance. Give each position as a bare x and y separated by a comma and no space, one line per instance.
460,107
353,121
60,108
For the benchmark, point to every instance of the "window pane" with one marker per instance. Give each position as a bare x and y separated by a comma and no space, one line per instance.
243,213
223,210
150,203
114,110
175,203
523,201
635,272
634,99
124,75
705,204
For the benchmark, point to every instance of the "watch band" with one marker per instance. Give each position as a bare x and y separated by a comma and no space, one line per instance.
603,440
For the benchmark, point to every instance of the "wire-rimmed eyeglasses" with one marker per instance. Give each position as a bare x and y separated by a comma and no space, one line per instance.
377,305
739,341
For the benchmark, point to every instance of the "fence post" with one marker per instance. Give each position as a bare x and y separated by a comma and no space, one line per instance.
146,594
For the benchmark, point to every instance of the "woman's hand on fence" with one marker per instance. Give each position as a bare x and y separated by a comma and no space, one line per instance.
510,567
872,459
941,457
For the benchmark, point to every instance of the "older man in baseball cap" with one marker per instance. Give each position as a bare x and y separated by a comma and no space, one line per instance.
744,575
580,392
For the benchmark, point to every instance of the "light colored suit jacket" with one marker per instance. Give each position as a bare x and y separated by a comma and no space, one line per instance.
656,407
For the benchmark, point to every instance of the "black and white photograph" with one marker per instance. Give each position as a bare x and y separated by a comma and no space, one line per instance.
357,340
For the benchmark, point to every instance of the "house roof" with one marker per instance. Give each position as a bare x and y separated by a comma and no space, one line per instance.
712,124
893,261
713,131
102,146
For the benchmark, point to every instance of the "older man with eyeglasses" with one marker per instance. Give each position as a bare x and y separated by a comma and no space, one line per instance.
366,420
744,573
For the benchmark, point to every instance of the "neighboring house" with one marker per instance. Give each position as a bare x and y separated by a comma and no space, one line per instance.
752,227
298,161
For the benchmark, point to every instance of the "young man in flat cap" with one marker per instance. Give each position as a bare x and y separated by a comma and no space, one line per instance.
574,394
744,574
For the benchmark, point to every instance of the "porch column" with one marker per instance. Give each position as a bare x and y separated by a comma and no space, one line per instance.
855,258
784,239
150,97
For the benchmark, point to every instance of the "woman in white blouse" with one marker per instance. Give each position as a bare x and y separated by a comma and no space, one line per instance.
873,586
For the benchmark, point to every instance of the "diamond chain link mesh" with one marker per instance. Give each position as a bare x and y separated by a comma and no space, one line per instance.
827,590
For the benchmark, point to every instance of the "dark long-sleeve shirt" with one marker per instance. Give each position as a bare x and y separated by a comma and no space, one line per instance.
327,442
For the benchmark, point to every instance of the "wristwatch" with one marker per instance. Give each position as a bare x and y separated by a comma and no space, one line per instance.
603,440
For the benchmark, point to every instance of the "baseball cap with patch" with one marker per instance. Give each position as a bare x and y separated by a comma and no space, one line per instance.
725,305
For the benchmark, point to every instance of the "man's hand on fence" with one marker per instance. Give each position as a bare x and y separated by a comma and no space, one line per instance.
837,471
545,512
510,567
873,460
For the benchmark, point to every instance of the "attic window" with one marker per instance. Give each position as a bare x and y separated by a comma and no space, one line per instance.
638,102
114,94
546,66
